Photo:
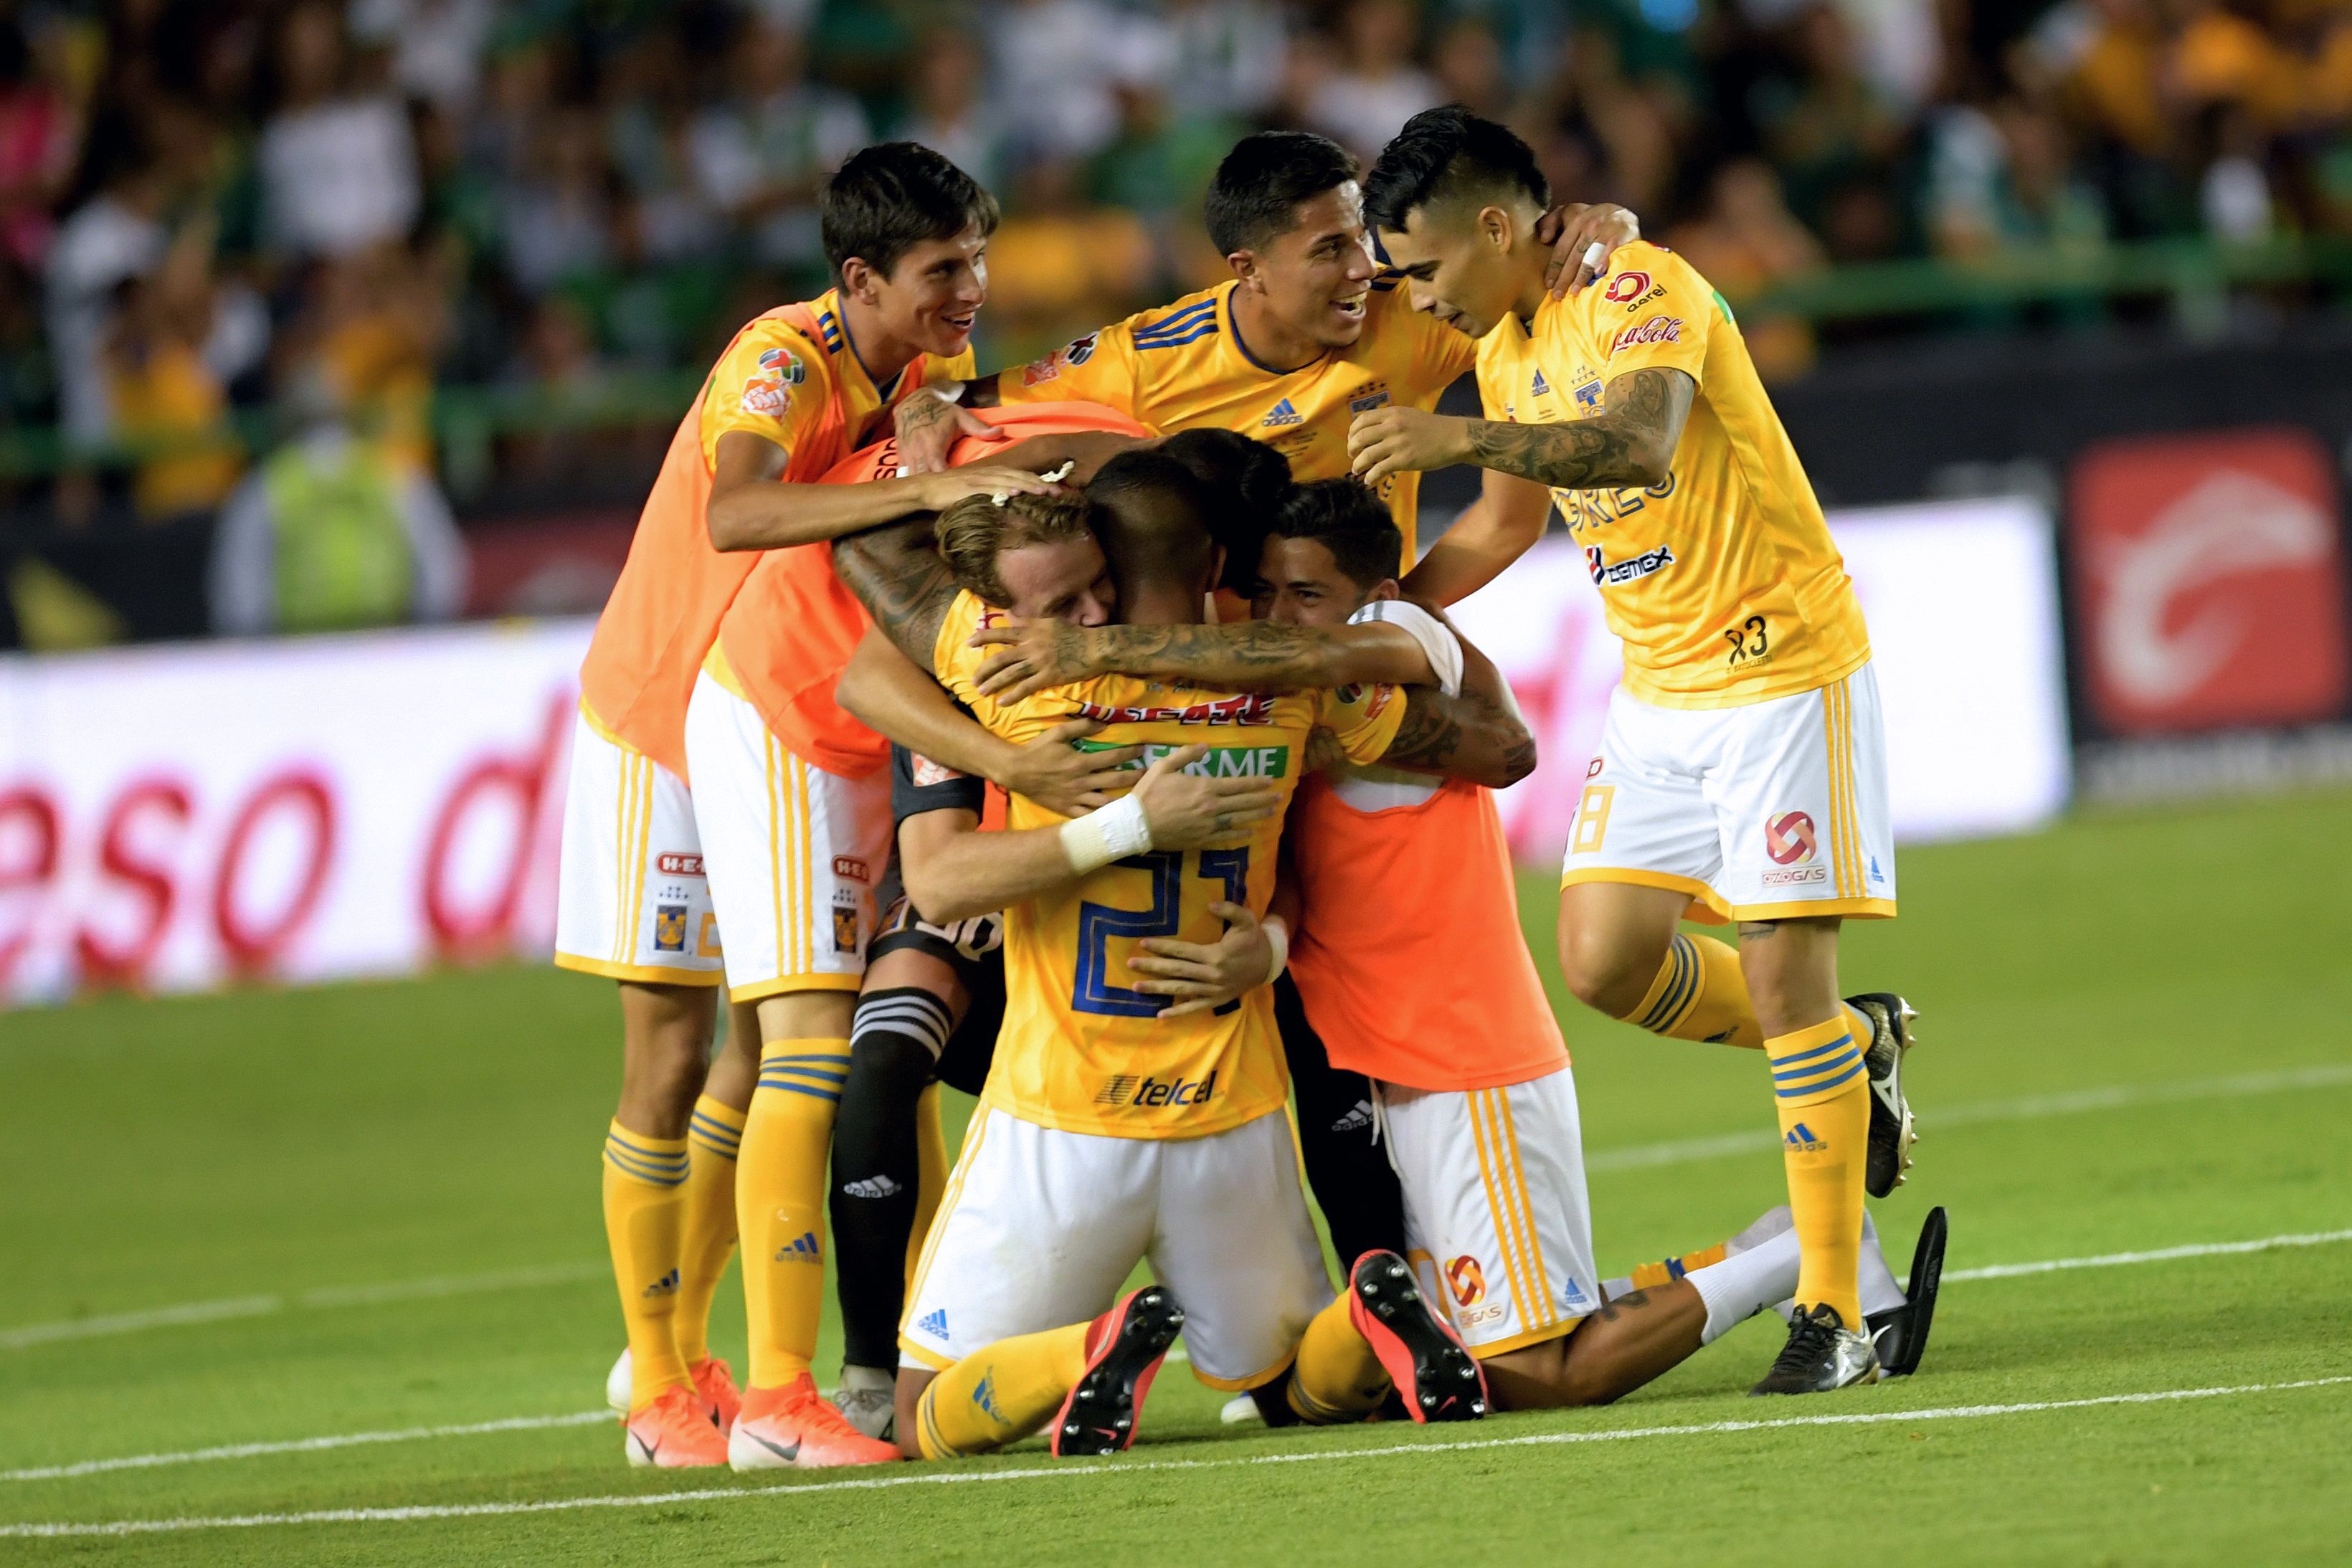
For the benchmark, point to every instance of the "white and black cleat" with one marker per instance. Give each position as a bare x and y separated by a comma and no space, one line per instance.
1900,1337
1821,1354
1891,1132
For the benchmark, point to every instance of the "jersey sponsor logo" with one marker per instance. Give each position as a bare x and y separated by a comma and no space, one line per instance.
1368,397
851,867
768,391
1612,574
928,773
1658,293
1789,838
804,1249
1801,1138
675,864
844,922
1280,414
1588,397
934,1323
1656,329
1539,387
1077,351
1216,762
1250,708
1468,1280
669,927
1143,1089
1081,350
1627,285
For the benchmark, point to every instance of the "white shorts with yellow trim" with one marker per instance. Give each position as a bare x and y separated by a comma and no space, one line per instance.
631,900
1040,1228
1769,812
1496,1220
794,851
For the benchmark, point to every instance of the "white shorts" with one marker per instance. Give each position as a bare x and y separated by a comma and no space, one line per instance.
794,851
1769,812
1496,1222
1040,1228
631,900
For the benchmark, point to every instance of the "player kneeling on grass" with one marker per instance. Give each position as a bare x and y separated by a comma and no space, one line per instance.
1108,1133
1408,932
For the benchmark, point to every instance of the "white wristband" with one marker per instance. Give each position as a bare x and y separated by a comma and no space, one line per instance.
946,391
1118,831
1277,936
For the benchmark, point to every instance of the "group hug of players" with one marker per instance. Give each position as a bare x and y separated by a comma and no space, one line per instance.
1085,737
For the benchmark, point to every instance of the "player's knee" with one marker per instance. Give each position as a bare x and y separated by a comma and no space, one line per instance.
1604,972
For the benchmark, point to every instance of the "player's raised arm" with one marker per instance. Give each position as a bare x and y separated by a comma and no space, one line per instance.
1631,441
1249,656
1502,525
750,510
1479,735
934,420
884,690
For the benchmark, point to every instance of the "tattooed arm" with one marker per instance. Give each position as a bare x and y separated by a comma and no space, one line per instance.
1631,441
900,577
1478,736
927,424
1246,656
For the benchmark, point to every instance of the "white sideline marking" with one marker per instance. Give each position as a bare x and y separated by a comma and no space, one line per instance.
326,1296
1638,1156
1085,1471
2033,1107
2161,1255
588,1417
301,1445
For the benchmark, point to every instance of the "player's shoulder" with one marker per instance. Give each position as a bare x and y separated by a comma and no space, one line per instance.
783,349
1197,316
1644,272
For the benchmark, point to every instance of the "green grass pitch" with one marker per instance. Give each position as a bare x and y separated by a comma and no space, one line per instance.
372,1209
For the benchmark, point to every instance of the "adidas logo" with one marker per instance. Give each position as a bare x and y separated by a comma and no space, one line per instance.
1801,1138
1355,1121
985,1397
1280,414
664,1286
1875,874
804,1250
934,1322
873,1187
1541,387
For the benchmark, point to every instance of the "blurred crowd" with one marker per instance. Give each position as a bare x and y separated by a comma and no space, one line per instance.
326,208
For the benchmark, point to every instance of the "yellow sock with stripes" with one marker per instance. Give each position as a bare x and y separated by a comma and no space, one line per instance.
713,1137
780,1202
1001,1392
1823,1094
930,1177
1657,1276
1336,1377
1700,994
644,1180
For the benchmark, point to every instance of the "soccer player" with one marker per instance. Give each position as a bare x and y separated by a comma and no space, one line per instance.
1408,957
1742,772
1107,1132
795,391
1309,332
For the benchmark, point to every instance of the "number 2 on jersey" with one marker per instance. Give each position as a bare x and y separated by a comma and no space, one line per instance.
1098,923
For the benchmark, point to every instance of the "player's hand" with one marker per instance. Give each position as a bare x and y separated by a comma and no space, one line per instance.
1204,976
1035,656
941,491
1053,772
929,426
1582,238
1189,813
1393,439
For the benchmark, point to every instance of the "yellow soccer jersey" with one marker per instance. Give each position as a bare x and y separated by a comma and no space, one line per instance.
1184,366
811,397
1721,580
1081,1050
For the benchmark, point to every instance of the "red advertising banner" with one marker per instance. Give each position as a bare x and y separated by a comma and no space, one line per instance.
2208,582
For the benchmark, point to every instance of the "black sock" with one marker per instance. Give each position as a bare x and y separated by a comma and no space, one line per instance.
875,1167
1354,1184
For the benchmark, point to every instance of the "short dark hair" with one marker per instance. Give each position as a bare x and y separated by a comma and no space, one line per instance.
892,196
1344,517
1142,554
1247,480
1256,194
1445,154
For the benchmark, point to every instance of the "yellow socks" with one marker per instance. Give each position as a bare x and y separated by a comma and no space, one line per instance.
930,1177
644,1201
708,1231
780,1202
1657,1276
1001,1392
1700,994
1823,1094
1337,1377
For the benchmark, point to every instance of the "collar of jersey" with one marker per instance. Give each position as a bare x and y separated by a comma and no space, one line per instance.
1234,331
